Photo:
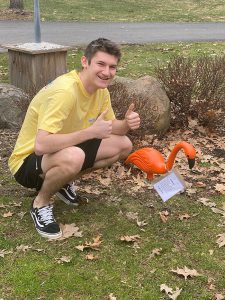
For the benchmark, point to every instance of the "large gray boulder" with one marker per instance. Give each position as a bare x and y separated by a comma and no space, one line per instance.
150,100
13,106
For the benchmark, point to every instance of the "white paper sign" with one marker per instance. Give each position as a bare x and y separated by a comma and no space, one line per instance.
169,185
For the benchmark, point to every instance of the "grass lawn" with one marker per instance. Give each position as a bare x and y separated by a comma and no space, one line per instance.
183,231
139,60
128,10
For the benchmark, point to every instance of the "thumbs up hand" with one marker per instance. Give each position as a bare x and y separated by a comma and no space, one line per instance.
102,128
132,118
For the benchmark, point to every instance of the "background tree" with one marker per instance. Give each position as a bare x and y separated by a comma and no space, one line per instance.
16,4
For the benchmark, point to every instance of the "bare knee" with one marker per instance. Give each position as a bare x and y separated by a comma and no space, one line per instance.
126,147
71,160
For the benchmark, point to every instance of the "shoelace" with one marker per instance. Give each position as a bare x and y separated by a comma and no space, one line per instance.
72,188
46,215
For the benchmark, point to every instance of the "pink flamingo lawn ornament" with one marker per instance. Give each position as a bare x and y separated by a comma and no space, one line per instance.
152,162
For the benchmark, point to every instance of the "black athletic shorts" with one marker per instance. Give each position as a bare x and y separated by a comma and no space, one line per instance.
29,173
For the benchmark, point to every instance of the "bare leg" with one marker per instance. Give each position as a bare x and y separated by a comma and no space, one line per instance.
112,149
62,167
58,169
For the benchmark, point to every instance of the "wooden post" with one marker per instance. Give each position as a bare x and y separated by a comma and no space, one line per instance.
31,69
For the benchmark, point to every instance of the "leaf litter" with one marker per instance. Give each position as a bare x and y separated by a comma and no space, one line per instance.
221,240
207,178
186,272
91,245
170,292
69,230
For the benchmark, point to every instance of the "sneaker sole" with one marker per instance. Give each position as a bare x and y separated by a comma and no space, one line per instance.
60,196
50,236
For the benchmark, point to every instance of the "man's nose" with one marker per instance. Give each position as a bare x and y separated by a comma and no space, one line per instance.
106,71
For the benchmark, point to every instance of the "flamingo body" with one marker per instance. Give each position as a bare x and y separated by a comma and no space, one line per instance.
148,160
152,162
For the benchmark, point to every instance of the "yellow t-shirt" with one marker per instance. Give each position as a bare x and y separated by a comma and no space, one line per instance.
63,106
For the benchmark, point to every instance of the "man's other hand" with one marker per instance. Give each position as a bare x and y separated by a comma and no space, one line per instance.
132,118
102,128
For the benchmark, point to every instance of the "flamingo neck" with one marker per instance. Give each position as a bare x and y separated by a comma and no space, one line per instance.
172,156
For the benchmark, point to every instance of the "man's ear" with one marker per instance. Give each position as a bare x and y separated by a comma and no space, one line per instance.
84,61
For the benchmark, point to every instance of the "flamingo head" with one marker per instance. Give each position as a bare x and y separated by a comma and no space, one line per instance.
190,153
191,162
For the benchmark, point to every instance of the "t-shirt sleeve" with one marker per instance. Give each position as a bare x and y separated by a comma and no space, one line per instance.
54,111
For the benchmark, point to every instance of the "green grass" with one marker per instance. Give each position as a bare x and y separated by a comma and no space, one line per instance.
129,10
119,269
139,60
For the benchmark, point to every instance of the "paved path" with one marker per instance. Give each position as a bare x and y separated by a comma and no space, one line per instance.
77,33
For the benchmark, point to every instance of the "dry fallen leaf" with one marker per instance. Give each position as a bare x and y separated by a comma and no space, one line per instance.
121,173
141,223
96,242
23,248
39,250
4,252
138,183
111,297
91,256
130,238
220,188
69,230
191,191
164,215
206,202
156,251
186,272
223,206
219,296
90,190
221,240
21,214
132,215
91,245
210,284
105,181
211,252
184,217
63,259
7,214
81,247
218,211
3,205
16,204
170,293
200,184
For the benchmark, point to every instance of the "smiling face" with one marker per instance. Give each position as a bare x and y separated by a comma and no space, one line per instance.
100,72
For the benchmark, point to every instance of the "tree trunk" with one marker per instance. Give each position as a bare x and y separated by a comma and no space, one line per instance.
16,4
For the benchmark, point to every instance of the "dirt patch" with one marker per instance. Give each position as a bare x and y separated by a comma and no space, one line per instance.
15,14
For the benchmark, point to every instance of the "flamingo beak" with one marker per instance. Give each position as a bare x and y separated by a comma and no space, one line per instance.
191,162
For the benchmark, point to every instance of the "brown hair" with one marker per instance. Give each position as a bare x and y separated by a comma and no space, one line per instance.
104,45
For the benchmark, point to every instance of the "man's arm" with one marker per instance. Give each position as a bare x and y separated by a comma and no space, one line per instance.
47,142
131,121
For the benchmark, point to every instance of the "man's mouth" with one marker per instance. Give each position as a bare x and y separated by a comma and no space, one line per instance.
103,78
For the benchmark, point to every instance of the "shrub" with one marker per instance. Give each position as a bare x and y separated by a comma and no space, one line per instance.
178,79
195,87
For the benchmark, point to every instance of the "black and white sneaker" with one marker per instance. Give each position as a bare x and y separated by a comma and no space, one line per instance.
68,194
44,222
